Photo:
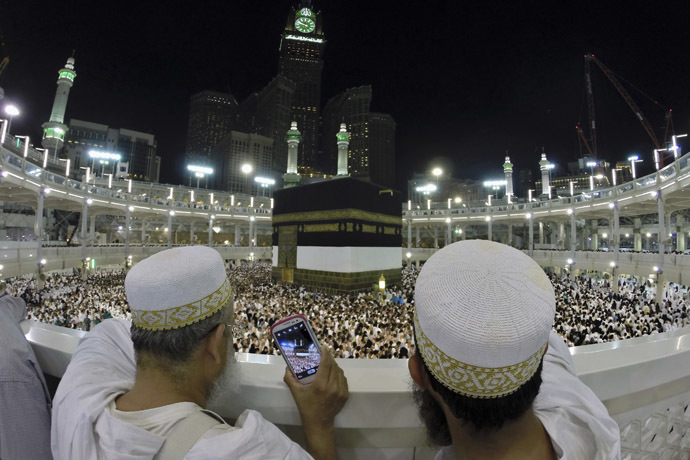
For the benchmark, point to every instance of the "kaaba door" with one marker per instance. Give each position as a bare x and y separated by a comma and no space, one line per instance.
287,252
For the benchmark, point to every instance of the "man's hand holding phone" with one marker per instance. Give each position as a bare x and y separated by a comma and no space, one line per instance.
318,403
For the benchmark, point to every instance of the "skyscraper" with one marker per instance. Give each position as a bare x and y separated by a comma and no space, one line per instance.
236,149
269,113
382,149
301,60
54,130
371,153
212,116
137,150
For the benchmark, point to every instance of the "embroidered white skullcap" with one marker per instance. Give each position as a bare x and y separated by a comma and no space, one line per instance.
483,313
177,287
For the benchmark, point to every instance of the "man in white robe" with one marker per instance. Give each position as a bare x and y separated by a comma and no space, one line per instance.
24,396
494,381
115,403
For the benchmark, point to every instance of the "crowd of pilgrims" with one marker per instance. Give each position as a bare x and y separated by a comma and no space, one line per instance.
359,326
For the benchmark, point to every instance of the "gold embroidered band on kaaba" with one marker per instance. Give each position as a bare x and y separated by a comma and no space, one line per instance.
184,315
475,381
337,214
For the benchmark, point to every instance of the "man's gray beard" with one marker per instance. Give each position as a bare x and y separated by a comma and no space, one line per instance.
227,385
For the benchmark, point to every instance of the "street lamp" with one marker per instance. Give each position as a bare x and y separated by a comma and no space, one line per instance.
634,159
67,161
426,189
26,146
199,172
45,156
246,169
104,158
675,144
12,111
495,185
265,183
437,172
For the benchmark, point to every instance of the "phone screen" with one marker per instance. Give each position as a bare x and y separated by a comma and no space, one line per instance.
299,349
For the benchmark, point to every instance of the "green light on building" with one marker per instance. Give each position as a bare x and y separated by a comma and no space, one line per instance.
68,75
343,136
55,133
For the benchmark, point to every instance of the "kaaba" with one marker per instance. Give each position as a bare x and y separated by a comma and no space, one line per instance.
337,236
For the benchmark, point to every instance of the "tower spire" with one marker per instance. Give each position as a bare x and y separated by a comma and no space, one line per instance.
291,178
508,171
545,166
54,130
343,138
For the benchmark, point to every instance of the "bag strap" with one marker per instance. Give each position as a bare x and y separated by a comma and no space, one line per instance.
186,433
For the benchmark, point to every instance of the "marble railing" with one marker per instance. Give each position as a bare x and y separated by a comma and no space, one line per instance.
644,383
21,260
676,267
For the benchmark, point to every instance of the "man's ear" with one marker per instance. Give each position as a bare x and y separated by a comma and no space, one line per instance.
215,343
417,371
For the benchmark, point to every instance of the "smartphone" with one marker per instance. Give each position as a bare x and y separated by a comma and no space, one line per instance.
298,345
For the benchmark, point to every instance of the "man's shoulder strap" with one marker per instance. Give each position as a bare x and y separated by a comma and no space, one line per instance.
186,433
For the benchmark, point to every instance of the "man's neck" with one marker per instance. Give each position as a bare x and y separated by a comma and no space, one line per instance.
522,439
154,389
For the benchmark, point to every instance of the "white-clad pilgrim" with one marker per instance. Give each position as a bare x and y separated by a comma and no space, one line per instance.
494,380
140,390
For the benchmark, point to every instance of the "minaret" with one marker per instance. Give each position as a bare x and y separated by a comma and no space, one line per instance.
544,165
55,129
343,142
291,178
508,171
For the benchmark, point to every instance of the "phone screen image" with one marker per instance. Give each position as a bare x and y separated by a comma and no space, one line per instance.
299,349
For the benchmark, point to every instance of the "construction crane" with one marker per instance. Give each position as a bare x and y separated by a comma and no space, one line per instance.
592,149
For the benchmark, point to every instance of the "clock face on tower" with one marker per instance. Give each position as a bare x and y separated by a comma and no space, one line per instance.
305,24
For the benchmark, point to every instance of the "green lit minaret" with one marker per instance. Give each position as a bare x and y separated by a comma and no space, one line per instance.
55,129
291,178
508,171
343,138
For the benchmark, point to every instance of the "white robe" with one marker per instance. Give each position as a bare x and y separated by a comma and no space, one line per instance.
577,422
84,426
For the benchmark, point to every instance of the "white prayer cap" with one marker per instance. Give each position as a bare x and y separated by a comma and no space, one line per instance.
177,287
483,313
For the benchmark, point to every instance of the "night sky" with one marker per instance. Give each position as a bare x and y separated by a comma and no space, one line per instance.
465,81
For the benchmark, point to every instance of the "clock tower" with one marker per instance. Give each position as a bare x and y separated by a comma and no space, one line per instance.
301,60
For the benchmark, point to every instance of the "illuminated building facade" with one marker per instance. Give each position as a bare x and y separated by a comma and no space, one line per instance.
371,152
212,115
423,187
55,129
237,149
269,113
301,61
137,151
